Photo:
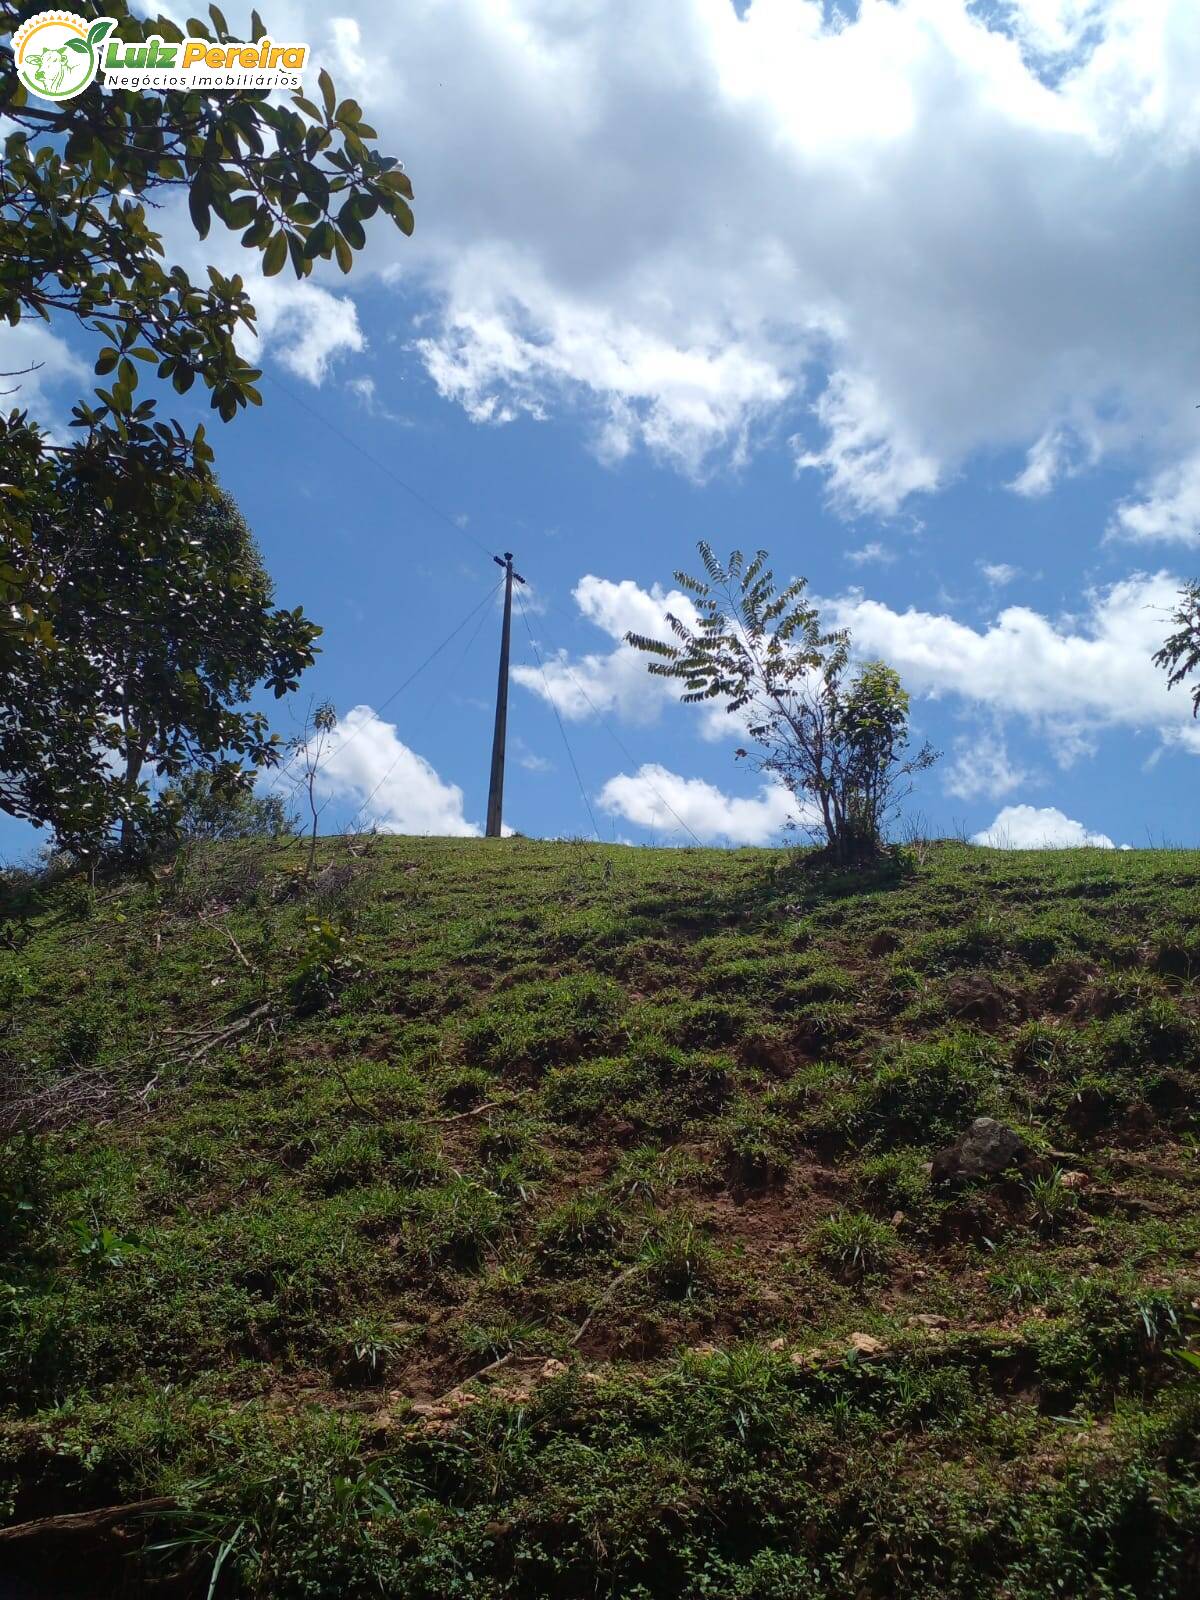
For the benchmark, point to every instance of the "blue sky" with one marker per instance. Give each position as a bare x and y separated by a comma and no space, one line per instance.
909,298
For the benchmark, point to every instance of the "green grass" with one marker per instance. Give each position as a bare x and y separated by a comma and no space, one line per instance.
649,1130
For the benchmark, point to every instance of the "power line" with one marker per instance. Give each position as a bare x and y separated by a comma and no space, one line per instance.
383,704
435,652
566,742
430,657
620,743
453,674
443,516
452,522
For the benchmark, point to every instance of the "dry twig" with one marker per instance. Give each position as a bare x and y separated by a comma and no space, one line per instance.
86,1521
475,1111
241,1026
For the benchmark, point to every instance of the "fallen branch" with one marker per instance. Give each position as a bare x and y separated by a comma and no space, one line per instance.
232,1032
475,1111
352,1097
240,952
39,1105
86,1521
501,1361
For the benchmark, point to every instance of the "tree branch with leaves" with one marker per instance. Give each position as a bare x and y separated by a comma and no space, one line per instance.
1180,655
99,534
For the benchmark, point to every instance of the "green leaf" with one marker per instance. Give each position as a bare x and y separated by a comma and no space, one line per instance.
261,231
314,183
100,30
402,216
241,213
399,182
257,235
275,255
198,207
328,92
106,360
77,44
319,241
345,256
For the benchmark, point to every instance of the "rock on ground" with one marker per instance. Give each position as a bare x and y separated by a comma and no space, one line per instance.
985,1150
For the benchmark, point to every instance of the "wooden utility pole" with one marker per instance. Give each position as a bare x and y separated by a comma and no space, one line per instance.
496,787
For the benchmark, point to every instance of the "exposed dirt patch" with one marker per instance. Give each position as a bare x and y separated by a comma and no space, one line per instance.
976,997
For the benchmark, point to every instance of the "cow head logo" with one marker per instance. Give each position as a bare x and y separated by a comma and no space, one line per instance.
58,54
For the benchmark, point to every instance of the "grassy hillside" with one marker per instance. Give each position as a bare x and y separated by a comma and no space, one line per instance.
554,1220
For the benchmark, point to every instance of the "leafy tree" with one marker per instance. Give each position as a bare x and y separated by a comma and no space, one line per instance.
835,735
80,182
205,810
1180,655
161,634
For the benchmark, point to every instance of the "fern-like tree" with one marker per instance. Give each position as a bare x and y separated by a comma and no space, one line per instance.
834,732
1180,655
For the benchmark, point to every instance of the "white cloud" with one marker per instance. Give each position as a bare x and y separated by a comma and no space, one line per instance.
871,460
1170,509
307,327
364,390
529,759
347,40
498,361
982,766
999,573
1045,462
1071,677
874,552
617,682
656,798
366,762
944,227
1038,828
